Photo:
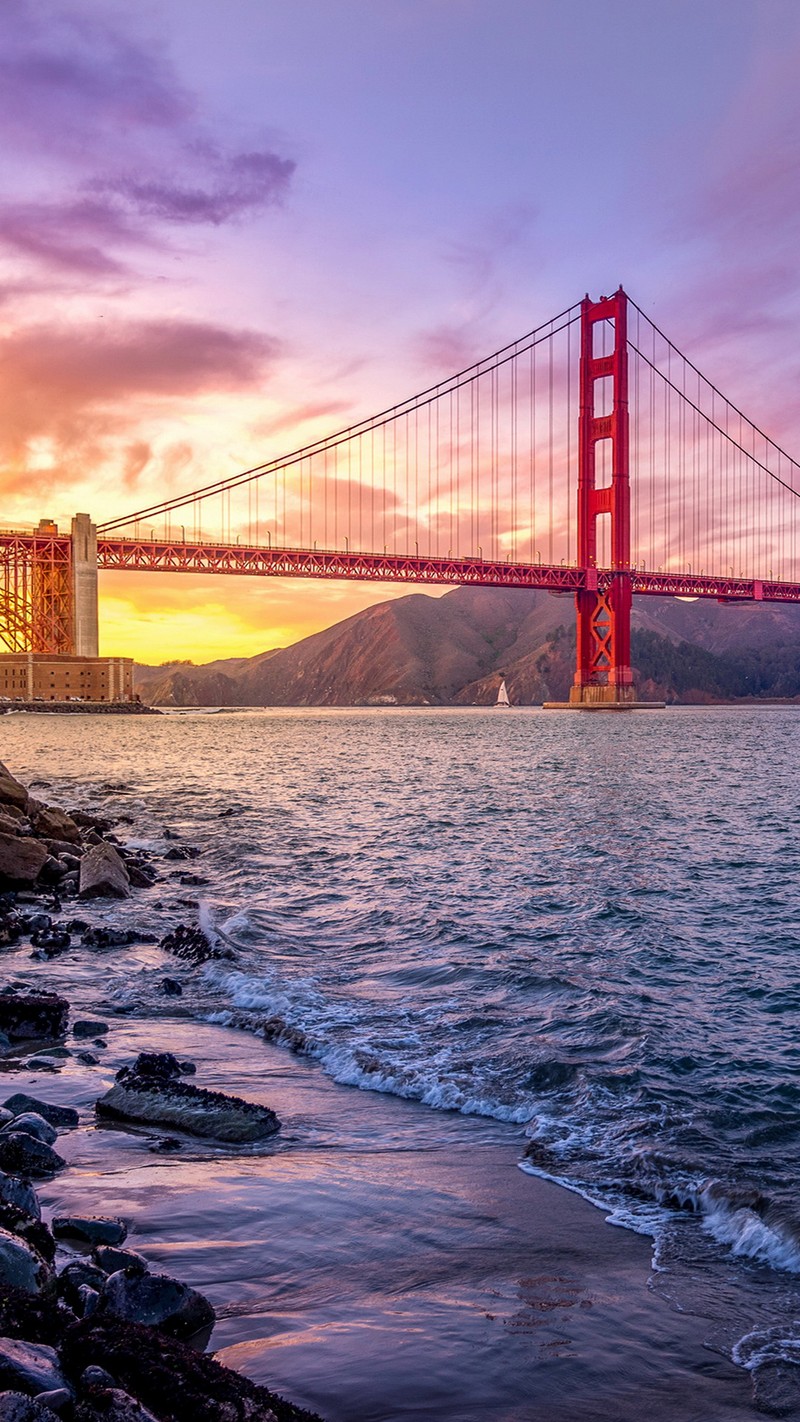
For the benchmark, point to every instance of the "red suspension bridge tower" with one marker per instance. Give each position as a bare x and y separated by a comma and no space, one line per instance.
603,675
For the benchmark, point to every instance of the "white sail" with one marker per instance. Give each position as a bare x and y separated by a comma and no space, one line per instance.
502,695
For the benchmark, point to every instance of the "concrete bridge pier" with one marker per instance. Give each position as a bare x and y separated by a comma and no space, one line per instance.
84,586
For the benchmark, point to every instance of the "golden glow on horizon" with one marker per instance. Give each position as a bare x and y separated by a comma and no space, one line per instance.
156,617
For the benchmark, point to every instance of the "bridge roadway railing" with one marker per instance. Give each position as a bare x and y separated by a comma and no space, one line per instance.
200,556
181,556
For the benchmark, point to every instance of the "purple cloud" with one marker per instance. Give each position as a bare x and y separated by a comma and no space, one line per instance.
233,185
81,97
73,236
66,77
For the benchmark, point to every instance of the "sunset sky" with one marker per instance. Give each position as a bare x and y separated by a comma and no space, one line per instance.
227,229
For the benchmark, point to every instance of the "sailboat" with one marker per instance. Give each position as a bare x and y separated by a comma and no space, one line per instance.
502,695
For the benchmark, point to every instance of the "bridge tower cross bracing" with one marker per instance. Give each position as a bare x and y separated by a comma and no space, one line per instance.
603,673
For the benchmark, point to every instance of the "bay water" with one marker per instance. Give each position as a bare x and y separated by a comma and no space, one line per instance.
581,931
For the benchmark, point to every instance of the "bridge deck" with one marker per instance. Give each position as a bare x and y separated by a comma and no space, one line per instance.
180,556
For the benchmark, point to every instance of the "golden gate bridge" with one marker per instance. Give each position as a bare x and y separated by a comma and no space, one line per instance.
589,457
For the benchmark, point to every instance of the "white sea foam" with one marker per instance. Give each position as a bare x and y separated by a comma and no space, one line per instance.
768,1345
747,1234
356,1062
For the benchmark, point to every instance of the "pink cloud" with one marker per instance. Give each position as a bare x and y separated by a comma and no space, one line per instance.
76,387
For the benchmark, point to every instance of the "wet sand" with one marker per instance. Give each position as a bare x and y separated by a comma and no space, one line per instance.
382,1261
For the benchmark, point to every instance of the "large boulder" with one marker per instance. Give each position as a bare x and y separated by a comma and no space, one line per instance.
66,1117
11,792
21,1265
20,1194
21,1154
33,1125
21,860
29,1367
52,823
90,1229
103,874
158,1301
164,1102
39,1016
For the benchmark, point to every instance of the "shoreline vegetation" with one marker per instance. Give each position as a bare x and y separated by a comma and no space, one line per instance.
87,1330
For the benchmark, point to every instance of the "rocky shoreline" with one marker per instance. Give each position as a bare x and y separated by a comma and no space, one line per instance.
87,1331
80,708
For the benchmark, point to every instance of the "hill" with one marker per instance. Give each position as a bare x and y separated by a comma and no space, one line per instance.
424,651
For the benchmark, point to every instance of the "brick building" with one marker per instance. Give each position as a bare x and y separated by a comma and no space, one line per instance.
25,676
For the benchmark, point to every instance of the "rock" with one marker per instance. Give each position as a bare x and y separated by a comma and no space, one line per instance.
11,792
79,1274
88,1027
64,1116
29,1367
38,1015
165,1146
35,922
158,1301
20,1264
162,1065
42,1064
161,1370
96,1377
88,1300
52,823
58,1399
170,987
7,825
89,821
52,871
142,875
103,874
88,1058
16,1407
10,928
107,937
20,1194
183,851
33,1125
192,945
30,1231
21,860
175,1103
114,1405
60,847
111,1260
24,1155
51,940
91,1229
